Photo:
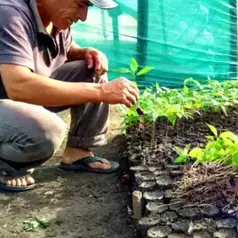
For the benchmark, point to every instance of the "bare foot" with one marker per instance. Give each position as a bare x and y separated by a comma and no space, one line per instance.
74,154
21,181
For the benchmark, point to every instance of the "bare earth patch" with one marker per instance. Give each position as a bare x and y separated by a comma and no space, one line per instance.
78,205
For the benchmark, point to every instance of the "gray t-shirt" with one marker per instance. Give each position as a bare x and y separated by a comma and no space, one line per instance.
24,40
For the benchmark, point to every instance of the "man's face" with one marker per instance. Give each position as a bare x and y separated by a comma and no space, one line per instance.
66,12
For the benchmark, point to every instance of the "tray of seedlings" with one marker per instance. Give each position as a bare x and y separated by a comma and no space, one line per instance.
182,150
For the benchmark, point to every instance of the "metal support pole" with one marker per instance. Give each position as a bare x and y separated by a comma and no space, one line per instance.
233,40
142,31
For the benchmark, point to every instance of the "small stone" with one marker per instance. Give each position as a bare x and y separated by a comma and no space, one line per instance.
231,212
168,193
190,212
147,186
160,172
203,234
226,223
135,159
173,166
139,168
181,225
164,181
49,193
201,225
159,232
177,235
147,222
153,196
225,233
144,176
168,217
156,207
176,173
154,168
209,210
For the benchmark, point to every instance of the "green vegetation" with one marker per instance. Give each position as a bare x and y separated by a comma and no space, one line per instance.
173,104
221,149
133,70
32,225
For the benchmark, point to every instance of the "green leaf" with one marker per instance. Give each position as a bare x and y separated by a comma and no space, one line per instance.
235,160
210,138
43,222
197,153
178,150
186,149
186,81
224,110
228,135
134,65
213,129
185,90
181,160
122,71
36,223
172,119
30,225
144,71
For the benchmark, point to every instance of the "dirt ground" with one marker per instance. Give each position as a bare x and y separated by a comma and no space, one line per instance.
78,205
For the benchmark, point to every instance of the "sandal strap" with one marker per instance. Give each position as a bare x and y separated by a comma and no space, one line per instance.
91,159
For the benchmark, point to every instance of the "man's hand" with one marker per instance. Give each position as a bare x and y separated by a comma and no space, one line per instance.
120,91
96,59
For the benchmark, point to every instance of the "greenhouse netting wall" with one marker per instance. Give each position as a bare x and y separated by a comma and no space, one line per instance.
180,39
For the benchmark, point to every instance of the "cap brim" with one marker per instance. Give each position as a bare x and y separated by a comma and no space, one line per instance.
104,4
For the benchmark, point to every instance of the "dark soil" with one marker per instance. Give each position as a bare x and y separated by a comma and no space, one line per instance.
153,146
79,205
208,208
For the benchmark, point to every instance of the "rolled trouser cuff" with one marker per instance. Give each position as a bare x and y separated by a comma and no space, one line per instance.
89,142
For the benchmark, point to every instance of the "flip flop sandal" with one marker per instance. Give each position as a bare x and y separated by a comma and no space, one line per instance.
82,165
6,187
6,171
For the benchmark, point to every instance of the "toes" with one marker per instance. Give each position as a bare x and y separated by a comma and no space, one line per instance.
106,162
13,182
23,181
29,180
7,182
99,165
18,182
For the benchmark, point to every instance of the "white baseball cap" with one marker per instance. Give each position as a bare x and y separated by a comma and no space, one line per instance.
105,4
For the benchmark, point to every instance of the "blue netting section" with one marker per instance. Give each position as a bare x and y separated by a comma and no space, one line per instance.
180,39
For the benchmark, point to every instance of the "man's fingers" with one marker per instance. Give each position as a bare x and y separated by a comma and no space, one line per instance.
131,98
133,92
89,59
97,61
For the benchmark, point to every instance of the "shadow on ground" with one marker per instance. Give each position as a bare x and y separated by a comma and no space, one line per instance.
79,205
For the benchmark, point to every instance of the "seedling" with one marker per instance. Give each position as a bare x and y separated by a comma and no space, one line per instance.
32,225
133,70
193,98
221,149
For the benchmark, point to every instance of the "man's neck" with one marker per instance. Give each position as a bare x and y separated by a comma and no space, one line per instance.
41,4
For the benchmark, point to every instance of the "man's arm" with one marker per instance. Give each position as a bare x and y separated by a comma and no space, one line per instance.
23,85
75,52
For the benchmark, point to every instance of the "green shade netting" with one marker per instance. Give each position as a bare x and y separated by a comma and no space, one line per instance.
180,39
